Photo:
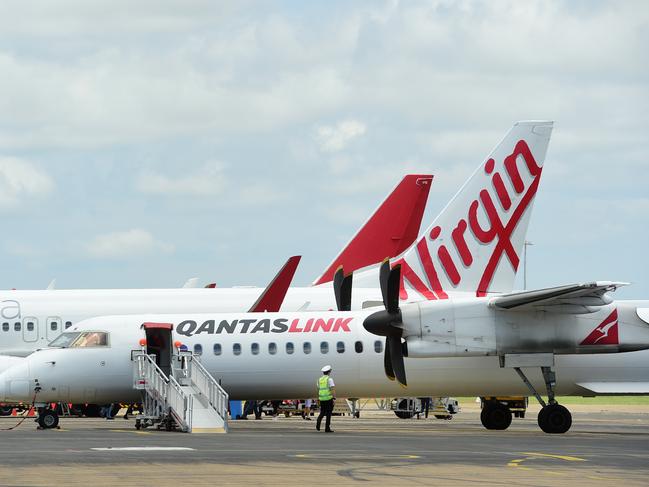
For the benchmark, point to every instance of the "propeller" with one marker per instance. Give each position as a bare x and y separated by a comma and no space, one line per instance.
343,289
389,323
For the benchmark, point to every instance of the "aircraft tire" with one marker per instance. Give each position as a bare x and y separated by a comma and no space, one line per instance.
495,416
48,419
6,410
554,419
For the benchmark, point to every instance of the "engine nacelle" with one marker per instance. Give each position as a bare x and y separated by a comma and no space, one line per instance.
419,348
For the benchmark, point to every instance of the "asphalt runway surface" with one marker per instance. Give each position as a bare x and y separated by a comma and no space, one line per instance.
602,448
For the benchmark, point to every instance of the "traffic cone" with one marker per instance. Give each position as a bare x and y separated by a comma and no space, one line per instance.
31,413
13,412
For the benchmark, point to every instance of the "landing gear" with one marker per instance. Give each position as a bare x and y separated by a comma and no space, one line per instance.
47,419
495,416
553,417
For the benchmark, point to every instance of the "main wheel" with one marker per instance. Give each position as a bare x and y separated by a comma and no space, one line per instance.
48,419
405,414
6,410
554,419
495,416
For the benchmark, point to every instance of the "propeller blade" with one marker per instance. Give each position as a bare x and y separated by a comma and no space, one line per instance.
343,289
393,344
387,362
339,277
394,283
384,277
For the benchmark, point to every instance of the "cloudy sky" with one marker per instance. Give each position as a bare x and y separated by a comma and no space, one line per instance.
142,143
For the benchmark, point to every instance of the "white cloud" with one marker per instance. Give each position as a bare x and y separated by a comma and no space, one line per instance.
336,138
20,179
208,180
123,245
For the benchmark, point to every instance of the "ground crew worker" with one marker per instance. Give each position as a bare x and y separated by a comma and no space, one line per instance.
327,396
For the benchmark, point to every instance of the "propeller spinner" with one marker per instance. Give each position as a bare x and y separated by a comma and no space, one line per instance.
389,323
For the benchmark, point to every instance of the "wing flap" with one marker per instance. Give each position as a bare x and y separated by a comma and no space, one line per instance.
616,387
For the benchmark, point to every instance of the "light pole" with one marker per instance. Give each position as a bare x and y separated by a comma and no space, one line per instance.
525,245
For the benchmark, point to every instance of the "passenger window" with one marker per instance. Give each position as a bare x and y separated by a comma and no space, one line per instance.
68,324
324,347
272,348
340,347
217,349
17,326
254,348
236,349
5,327
358,346
54,326
306,348
289,348
378,346
30,326
198,349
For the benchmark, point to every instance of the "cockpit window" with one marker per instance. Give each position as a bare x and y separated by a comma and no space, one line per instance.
91,339
82,339
64,340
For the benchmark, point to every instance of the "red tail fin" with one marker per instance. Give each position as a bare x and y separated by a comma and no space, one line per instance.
392,228
272,297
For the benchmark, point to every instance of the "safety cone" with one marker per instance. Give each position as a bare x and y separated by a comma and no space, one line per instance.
14,412
31,413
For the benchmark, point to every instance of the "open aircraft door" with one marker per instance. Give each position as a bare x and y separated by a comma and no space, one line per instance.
159,343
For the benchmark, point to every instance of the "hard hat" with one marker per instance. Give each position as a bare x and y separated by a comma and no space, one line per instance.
326,368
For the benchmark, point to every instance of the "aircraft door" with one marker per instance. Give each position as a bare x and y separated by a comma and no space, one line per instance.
158,343
53,327
30,328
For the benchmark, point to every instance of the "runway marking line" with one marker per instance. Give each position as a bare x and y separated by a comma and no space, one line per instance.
144,448
560,457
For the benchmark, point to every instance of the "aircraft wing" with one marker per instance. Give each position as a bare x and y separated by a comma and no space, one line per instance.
616,387
586,295
272,297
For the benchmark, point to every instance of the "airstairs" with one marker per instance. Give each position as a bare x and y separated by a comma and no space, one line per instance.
189,398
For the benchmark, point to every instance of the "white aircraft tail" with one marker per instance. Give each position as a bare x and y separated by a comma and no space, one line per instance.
474,244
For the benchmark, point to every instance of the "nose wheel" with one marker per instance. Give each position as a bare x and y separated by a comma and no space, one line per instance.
47,419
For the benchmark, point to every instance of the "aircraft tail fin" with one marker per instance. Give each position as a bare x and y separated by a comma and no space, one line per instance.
391,229
474,244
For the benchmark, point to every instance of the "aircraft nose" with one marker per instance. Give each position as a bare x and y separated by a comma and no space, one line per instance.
15,384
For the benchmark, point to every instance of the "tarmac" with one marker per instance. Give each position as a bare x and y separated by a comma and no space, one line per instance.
606,444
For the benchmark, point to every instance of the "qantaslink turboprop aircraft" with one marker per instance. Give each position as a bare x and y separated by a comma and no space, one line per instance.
464,346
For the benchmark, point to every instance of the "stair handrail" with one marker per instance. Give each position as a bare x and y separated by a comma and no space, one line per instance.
180,404
211,389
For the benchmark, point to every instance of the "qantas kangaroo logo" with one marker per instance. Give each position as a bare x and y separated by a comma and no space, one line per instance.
606,332
497,231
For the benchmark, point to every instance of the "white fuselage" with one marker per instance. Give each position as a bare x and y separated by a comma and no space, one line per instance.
279,355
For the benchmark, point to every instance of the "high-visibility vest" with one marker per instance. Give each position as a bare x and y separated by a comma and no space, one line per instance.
324,392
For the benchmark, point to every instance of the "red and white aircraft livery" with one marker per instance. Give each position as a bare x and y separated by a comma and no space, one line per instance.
474,245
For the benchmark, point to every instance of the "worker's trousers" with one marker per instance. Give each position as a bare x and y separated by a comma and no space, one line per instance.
326,408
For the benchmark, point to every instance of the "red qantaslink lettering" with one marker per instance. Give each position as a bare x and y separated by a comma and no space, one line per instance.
498,230
331,325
